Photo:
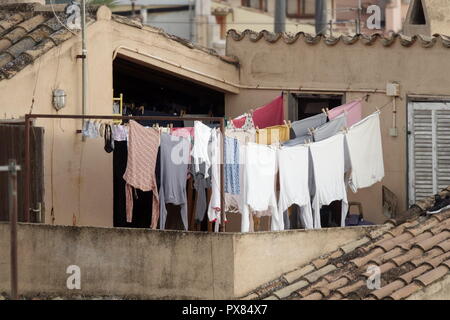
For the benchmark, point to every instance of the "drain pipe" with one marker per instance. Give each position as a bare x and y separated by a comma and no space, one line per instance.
84,63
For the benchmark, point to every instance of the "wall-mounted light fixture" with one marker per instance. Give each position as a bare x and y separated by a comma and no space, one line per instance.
59,99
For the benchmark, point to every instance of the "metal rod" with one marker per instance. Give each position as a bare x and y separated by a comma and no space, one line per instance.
84,61
12,195
222,177
27,173
113,117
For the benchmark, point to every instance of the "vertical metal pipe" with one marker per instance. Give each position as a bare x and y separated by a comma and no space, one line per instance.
358,19
321,17
280,16
191,21
12,201
222,177
27,173
84,62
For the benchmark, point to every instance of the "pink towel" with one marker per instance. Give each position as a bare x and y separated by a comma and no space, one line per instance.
184,132
353,110
269,115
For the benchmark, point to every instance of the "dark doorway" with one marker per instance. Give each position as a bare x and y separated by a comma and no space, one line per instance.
306,105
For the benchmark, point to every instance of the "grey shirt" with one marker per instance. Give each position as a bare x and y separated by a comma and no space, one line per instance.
174,169
301,127
330,128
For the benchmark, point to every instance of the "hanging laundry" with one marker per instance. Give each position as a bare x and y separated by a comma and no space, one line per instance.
109,141
119,132
301,127
174,168
214,208
296,141
353,110
274,134
143,147
294,184
91,129
261,169
243,122
269,115
186,132
231,149
200,185
235,202
328,161
330,128
199,152
366,152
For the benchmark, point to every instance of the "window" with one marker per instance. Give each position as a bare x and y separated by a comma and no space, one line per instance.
256,4
428,149
300,8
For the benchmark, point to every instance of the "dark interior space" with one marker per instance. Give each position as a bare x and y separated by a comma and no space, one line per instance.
311,104
151,92
161,92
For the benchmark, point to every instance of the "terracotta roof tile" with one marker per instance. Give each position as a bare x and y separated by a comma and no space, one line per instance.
426,256
405,291
405,41
26,33
431,242
409,276
411,255
311,277
287,291
354,244
387,290
297,274
432,275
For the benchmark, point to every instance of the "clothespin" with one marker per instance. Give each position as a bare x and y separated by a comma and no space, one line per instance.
311,131
324,111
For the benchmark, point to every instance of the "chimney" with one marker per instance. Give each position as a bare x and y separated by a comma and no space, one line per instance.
23,1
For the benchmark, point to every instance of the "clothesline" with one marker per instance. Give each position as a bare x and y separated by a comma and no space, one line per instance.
28,124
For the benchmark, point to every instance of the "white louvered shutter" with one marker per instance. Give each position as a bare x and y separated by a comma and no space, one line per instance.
429,149
443,148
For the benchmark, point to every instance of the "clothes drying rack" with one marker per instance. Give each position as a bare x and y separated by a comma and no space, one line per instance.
28,124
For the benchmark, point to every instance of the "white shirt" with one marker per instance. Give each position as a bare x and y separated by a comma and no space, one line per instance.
328,166
202,135
366,152
261,169
294,184
214,208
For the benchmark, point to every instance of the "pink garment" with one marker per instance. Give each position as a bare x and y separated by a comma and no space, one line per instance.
143,144
269,115
185,132
352,109
239,122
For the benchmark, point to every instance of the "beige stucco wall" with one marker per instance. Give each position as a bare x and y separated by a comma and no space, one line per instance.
78,175
150,264
339,69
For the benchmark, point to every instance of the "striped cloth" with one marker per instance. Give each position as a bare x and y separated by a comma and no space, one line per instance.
143,144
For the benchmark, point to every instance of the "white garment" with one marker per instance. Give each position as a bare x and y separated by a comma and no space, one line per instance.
293,165
261,169
366,152
328,166
214,208
202,135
